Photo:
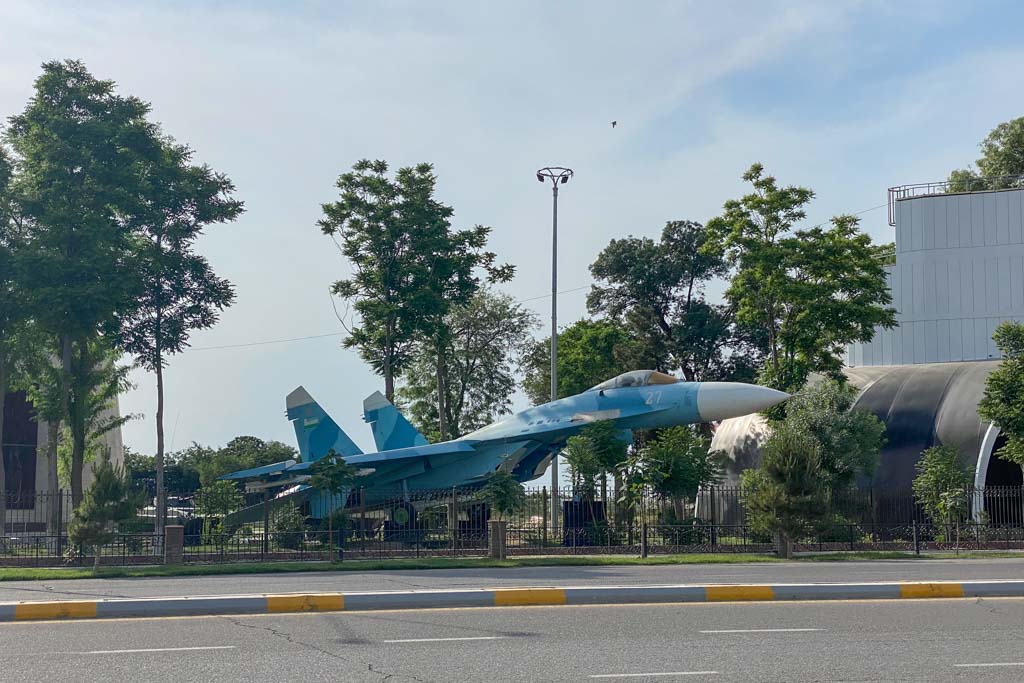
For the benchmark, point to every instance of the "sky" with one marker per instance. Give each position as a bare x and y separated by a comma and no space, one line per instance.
847,98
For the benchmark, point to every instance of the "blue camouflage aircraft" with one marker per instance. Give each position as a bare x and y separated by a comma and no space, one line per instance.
521,444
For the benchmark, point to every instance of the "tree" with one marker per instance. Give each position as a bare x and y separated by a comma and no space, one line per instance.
812,291
849,440
241,453
331,476
109,501
214,501
675,465
788,492
79,152
180,291
1001,164
408,265
1003,401
596,450
656,290
11,310
484,340
940,486
589,352
817,451
503,494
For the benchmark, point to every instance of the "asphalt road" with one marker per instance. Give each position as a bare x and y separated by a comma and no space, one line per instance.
788,572
935,640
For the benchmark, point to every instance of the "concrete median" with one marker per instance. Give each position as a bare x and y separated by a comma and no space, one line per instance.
504,597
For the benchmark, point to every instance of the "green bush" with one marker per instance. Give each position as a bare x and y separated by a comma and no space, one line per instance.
288,527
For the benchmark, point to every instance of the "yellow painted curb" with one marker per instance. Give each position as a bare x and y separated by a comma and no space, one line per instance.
55,610
931,590
529,596
737,593
330,602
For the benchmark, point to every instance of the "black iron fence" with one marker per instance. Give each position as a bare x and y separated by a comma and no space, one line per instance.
379,524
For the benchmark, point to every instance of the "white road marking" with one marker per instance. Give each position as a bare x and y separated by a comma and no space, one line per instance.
152,649
660,673
991,664
765,630
443,640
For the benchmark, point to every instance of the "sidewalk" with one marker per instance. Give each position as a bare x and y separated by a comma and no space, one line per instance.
585,576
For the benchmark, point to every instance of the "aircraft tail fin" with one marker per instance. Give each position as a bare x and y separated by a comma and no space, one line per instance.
315,432
390,428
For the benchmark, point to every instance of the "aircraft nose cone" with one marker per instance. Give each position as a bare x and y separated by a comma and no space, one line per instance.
722,400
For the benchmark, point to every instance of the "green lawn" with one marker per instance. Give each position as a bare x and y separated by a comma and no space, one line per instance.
39,574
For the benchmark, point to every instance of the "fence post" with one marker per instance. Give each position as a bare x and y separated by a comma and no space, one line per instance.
917,542
643,534
544,515
714,532
60,522
265,547
453,521
174,544
851,536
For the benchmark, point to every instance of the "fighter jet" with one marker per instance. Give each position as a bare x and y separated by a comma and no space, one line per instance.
521,444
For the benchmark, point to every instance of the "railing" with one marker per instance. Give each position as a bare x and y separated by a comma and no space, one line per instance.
953,185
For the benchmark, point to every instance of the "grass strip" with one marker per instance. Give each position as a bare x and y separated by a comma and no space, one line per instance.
57,573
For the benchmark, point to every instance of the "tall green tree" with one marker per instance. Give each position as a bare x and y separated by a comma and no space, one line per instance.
788,492
484,340
675,465
1001,164
79,148
940,486
12,312
409,267
656,290
811,291
589,352
816,452
109,501
1003,401
180,291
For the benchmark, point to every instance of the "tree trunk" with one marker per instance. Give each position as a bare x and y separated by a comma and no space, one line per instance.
76,421
3,469
52,480
66,399
442,394
161,495
389,379
678,508
785,550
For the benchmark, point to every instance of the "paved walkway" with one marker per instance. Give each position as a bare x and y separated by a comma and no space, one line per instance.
783,572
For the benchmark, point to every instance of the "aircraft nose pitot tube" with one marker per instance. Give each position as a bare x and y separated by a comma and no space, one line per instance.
722,400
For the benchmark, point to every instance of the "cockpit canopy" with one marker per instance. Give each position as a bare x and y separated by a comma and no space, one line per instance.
636,378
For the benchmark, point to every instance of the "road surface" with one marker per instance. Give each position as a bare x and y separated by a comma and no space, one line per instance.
783,572
934,640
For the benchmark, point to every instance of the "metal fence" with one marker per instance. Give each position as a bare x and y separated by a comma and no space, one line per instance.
964,184
377,524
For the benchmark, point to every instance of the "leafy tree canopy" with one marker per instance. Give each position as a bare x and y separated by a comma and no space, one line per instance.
589,352
504,494
941,483
676,463
656,290
487,336
1003,400
1001,164
811,291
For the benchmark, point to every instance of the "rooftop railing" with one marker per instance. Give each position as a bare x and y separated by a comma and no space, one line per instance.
957,185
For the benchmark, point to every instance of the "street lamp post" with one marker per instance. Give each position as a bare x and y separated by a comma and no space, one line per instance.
558,176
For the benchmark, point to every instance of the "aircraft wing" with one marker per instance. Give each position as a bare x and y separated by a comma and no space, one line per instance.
274,468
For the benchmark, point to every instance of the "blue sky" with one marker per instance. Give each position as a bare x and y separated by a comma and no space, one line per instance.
845,97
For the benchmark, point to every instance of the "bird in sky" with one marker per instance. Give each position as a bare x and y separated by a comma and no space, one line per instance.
614,123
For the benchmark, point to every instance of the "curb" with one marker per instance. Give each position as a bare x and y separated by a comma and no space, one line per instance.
504,597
